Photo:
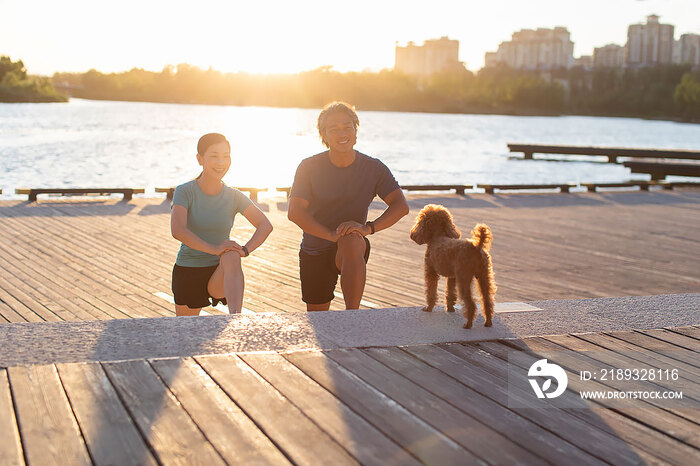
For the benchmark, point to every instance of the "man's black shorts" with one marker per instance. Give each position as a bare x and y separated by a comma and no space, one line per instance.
190,286
319,274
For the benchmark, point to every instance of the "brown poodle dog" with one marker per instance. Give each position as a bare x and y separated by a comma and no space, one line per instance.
459,260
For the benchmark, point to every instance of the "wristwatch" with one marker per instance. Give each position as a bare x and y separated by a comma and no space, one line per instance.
371,226
245,250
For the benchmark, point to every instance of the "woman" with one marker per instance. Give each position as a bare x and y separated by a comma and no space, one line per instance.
209,262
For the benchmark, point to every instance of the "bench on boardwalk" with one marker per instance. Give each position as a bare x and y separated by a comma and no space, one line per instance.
286,190
659,171
252,192
593,187
34,192
491,188
458,188
675,184
612,153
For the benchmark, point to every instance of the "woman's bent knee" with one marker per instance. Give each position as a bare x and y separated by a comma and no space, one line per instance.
230,259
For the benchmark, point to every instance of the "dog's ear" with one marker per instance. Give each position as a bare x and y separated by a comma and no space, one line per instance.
418,230
451,230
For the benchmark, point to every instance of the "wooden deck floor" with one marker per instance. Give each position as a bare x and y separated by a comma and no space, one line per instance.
431,404
105,259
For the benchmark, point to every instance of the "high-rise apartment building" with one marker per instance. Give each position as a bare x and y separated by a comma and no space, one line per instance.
584,61
650,43
611,56
688,50
434,56
535,50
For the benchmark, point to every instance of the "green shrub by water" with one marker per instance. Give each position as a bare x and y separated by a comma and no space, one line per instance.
17,86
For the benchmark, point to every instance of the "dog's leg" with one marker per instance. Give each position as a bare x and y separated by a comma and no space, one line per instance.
431,282
465,292
451,294
487,286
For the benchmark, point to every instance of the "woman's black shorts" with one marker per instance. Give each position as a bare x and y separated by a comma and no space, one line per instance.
319,274
190,286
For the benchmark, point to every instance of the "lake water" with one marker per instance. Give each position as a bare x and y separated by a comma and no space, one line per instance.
97,143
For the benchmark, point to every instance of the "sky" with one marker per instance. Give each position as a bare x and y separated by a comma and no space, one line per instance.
296,35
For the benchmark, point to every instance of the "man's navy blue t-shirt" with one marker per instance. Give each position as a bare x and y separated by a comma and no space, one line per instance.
339,194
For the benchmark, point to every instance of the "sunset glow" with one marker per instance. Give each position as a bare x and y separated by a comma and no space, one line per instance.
288,37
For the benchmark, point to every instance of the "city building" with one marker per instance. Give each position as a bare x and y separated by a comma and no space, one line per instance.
434,56
584,61
540,49
687,50
649,44
610,56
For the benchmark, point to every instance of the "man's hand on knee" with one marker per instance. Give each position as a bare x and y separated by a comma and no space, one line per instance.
351,226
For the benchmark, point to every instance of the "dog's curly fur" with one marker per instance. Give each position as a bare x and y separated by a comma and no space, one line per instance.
459,260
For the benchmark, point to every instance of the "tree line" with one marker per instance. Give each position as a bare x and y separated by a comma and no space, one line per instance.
665,91
17,86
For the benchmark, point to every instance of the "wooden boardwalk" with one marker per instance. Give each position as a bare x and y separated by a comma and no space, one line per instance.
430,404
106,259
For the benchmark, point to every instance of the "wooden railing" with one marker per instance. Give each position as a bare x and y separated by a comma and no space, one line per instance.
612,153
252,192
458,189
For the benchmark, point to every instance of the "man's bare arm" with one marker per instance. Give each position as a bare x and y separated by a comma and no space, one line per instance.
298,213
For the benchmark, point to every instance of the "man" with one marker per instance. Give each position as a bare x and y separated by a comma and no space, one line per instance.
329,200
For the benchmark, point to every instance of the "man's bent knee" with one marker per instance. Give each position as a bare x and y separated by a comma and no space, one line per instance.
352,244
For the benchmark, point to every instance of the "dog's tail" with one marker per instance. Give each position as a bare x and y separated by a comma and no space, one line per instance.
482,233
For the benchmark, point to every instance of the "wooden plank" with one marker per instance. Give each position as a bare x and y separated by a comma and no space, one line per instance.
678,184
110,434
629,425
610,152
460,426
168,429
360,438
659,347
490,188
659,170
504,421
34,192
687,406
11,451
597,442
691,332
8,313
593,187
115,257
29,308
415,435
459,188
302,441
237,439
644,355
664,421
49,432
66,270
682,341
